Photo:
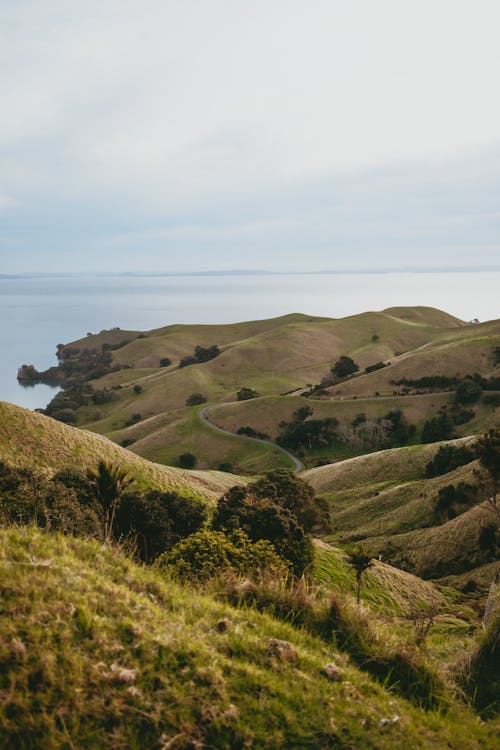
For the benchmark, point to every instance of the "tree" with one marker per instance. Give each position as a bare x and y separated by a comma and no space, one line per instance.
360,561
165,362
468,391
487,450
157,521
195,398
438,428
448,458
344,367
284,488
245,394
261,518
108,483
187,461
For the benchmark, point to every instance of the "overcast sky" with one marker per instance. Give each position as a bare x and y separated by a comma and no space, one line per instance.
230,134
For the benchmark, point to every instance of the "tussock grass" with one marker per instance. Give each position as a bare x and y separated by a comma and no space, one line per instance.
97,652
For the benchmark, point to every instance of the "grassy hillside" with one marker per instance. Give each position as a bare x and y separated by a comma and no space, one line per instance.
276,357
35,441
384,501
100,653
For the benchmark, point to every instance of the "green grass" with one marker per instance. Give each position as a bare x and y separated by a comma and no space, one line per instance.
38,442
98,652
176,433
276,356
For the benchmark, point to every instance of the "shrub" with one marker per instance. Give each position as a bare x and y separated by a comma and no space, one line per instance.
226,466
438,428
186,361
448,458
157,521
208,554
261,518
195,398
165,362
133,420
245,394
250,432
137,389
468,391
187,461
375,367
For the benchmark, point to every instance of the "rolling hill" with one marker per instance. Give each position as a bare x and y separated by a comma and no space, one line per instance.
144,405
34,441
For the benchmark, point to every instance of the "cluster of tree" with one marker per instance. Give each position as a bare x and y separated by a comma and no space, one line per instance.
468,389
104,396
452,501
64,405
200,354
448,458
251,432
376,366
196,398
441,427
390,431
101,504
265,525
304,433
443,382
343,368
279,508
245,394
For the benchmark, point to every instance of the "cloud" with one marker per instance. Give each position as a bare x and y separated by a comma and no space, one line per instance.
284,126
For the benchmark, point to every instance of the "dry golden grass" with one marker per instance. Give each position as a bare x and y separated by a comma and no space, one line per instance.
36,441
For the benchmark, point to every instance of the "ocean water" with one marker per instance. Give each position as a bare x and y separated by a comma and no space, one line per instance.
38,313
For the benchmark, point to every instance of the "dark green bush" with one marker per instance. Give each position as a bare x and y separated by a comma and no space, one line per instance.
448,458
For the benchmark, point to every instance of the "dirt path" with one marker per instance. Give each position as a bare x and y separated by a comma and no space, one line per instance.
203,416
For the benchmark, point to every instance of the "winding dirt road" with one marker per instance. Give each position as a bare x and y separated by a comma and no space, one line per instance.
203,416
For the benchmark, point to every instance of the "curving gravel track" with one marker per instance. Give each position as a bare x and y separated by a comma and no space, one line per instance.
203,416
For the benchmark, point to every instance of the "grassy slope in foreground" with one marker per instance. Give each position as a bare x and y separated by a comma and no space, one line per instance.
98,652
38,442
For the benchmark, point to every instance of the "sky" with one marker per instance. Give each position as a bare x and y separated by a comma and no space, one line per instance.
188,135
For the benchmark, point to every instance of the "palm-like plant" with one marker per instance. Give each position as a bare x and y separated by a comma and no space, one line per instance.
108,483
360,561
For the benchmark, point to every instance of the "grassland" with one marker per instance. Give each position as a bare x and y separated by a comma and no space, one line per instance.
276,357
98,652
38,442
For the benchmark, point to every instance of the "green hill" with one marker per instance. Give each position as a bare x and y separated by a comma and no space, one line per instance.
386,502
38,442
145,403
98,652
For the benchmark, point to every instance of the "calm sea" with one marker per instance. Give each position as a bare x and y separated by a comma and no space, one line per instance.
38,313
